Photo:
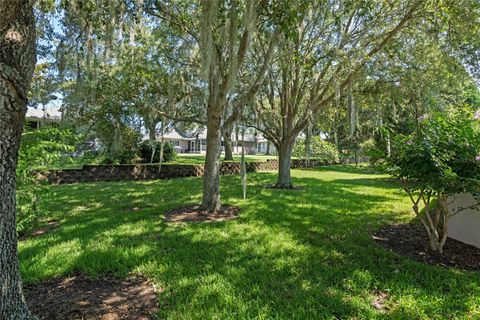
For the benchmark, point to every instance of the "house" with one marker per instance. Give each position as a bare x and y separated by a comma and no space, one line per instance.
38,117
196,142
265,147
464,226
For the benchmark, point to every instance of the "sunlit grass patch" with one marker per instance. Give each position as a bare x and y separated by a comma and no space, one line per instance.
294,254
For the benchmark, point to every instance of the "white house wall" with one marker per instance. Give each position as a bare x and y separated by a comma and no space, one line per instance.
464,226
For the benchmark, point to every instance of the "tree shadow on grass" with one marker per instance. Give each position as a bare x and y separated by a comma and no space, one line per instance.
291,254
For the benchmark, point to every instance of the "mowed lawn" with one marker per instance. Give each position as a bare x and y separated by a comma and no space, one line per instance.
191,158
297,254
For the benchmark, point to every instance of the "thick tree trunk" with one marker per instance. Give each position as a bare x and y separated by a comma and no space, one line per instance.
211,175
227,143
17,61
284,180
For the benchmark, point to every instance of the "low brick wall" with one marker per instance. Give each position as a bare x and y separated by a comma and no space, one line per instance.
94,173
312,163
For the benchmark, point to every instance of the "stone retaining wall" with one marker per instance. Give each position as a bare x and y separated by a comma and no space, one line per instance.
94,173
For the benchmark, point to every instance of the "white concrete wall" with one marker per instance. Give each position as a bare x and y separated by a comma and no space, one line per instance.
464,226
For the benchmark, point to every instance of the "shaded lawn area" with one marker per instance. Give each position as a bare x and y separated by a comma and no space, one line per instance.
291,254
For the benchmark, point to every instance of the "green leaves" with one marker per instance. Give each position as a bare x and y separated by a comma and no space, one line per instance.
441,155
320,149
48,145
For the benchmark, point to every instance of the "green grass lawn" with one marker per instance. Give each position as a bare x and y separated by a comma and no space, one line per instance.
292,254
189,158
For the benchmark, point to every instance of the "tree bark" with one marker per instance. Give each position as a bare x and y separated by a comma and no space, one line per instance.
211,175
284,180
152,134
17,62
308,141
227,143
162,144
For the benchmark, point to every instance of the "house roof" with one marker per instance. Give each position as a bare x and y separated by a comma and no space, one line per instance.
48,113
202,135
176,135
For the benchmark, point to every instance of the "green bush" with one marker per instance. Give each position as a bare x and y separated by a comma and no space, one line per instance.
370,149
45,147
121,150
320,149
146,148
439,160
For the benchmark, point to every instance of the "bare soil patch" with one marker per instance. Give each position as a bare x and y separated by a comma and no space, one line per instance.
411,240
379,301
194,214
136,208
292,187
79,297
50,225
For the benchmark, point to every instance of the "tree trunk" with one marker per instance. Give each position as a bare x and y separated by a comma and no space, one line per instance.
152,134
17,61
243,169
389,144
284,180
211,175
162,144
227,143
308,142
268,148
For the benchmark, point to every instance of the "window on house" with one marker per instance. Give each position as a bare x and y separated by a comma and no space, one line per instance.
31,125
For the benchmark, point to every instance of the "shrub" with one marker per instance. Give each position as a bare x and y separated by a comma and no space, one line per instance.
441,159
370,149
146,149
118,148
320,149
47,146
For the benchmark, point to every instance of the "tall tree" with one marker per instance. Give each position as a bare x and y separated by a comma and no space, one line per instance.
17,63
221,32
226,32
321,56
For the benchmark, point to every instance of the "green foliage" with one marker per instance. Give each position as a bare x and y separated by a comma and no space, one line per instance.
320,149
442,155
146,148
120,145
46,146
370,149
440,159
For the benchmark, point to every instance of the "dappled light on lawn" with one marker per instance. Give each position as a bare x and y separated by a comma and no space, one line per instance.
289,254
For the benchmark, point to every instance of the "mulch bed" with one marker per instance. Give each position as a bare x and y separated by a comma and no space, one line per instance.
193,214
80,297
412,241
